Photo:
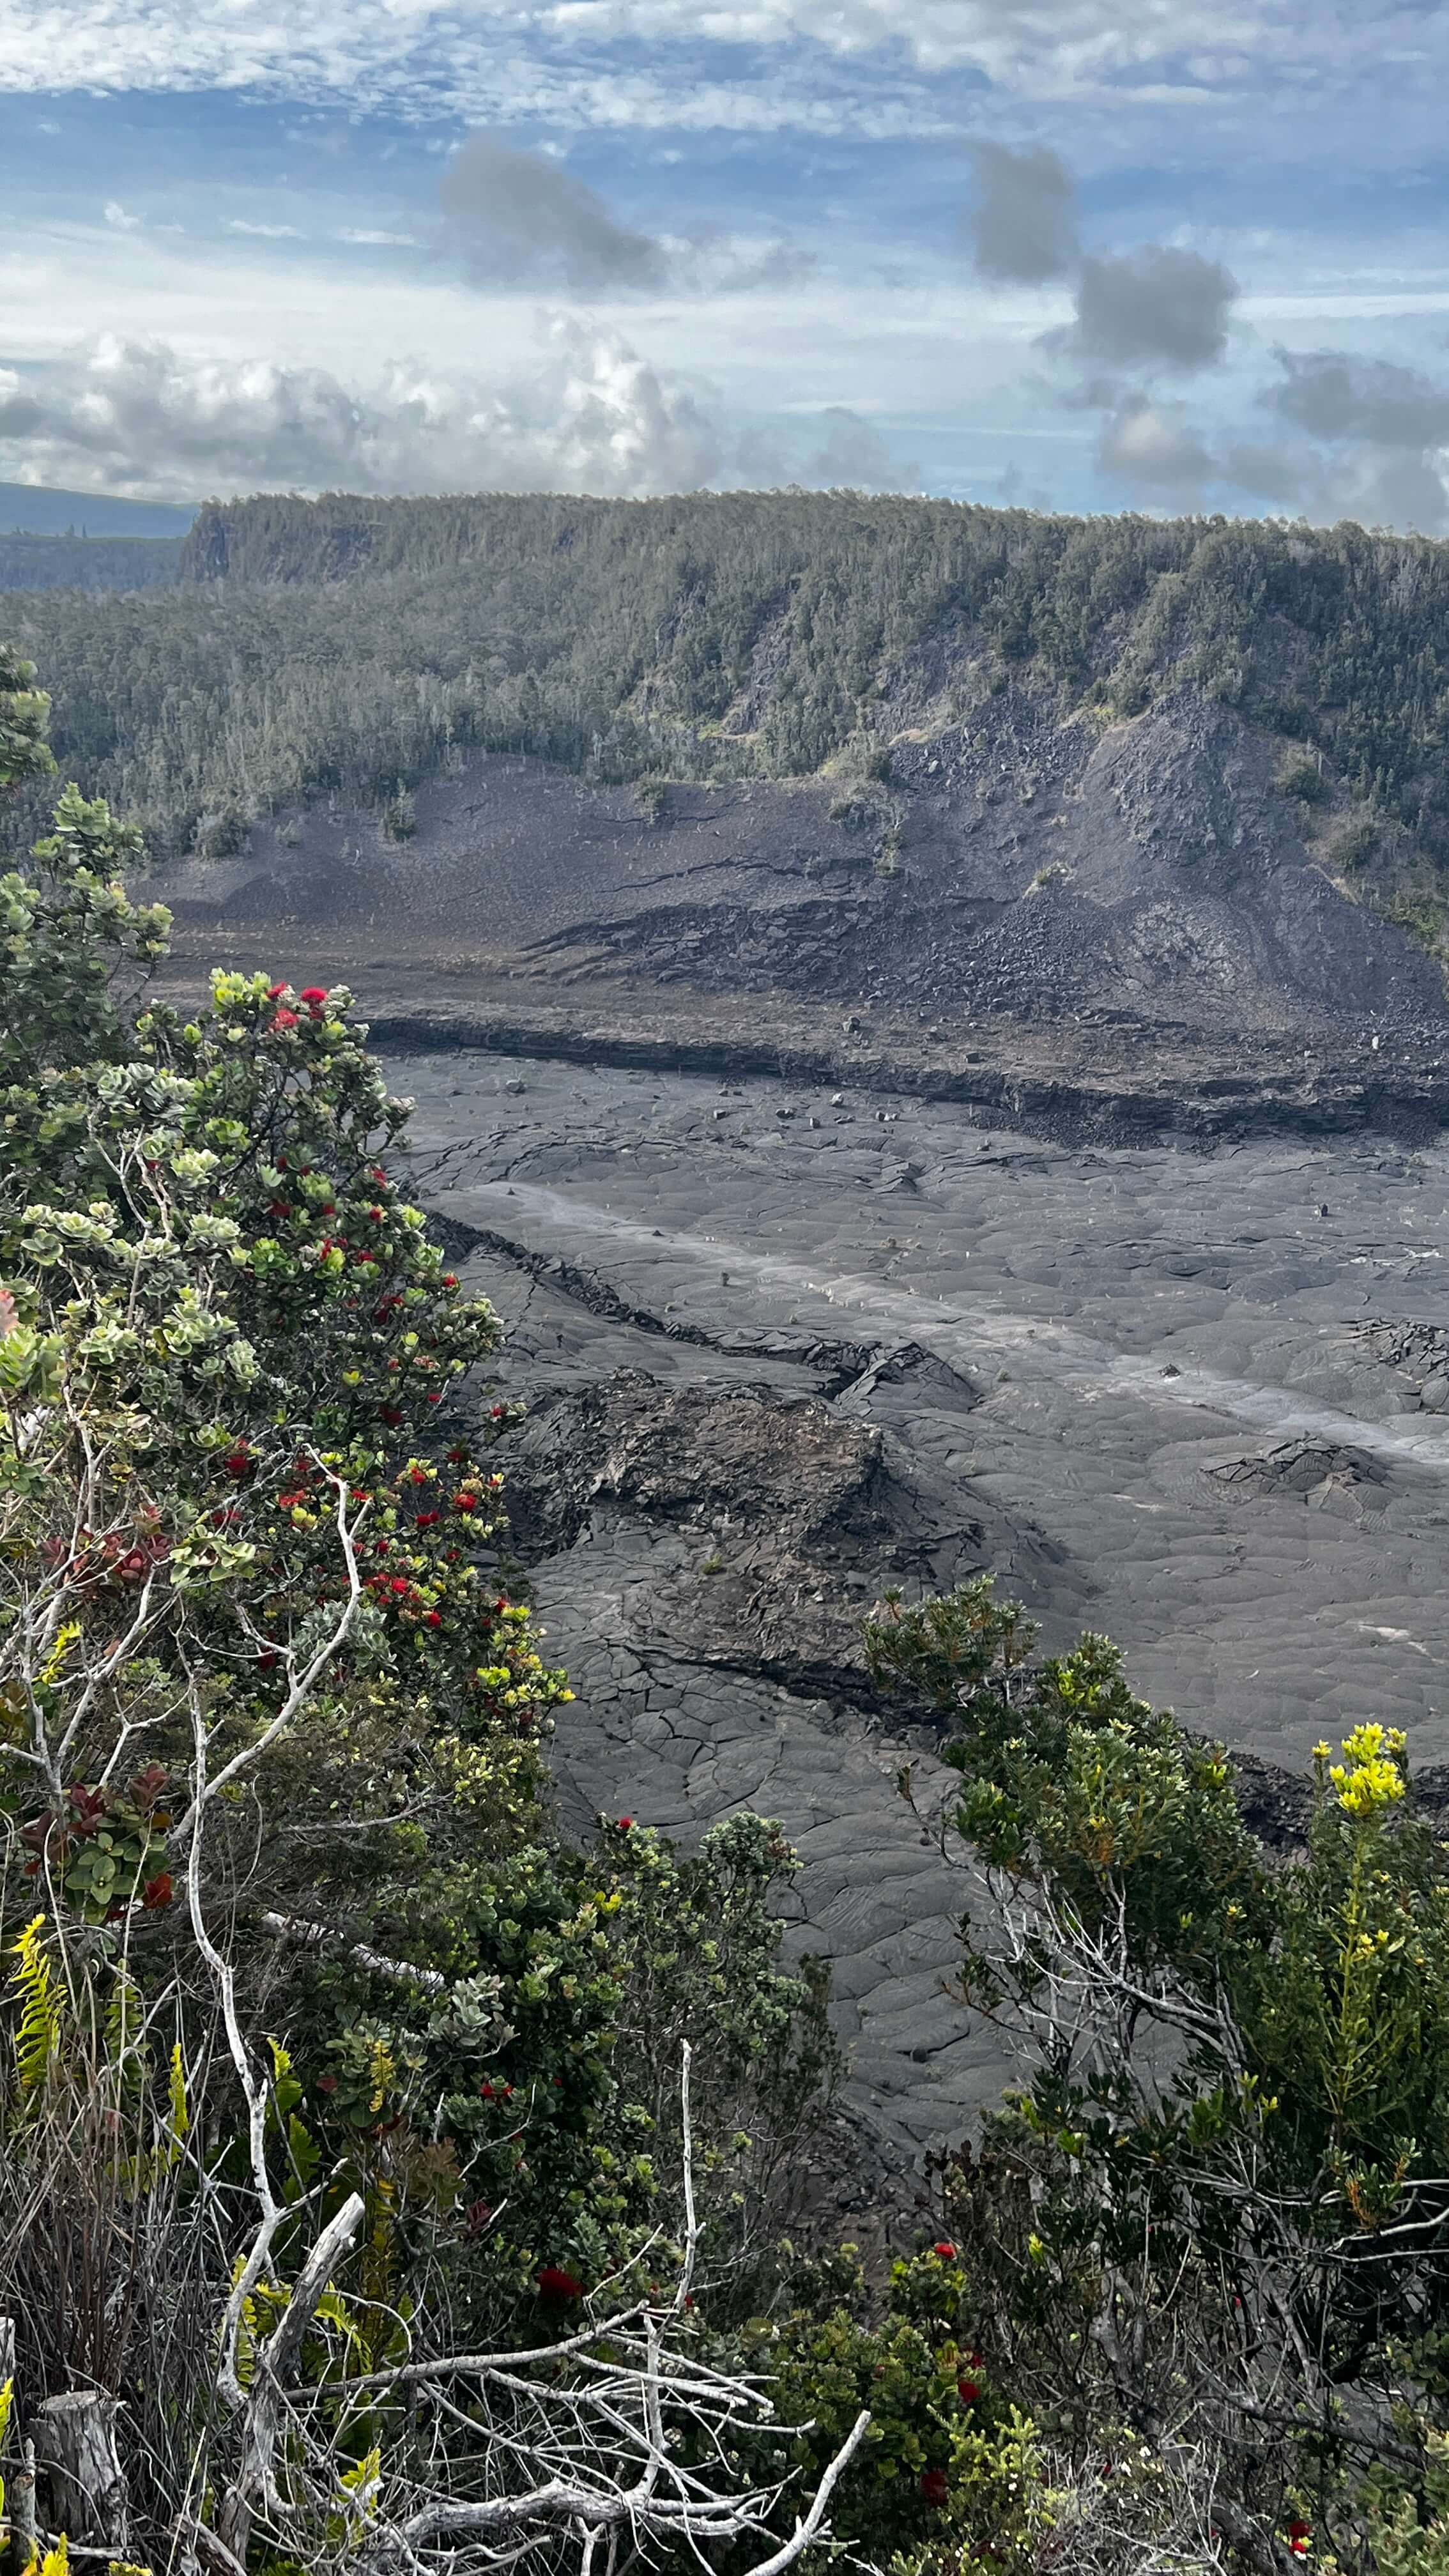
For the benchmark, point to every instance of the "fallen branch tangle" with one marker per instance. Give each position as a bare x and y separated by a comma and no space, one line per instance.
623,2433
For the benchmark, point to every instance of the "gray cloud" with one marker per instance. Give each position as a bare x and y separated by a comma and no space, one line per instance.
1370,441
1388,488
519,218
1022,228
1334,395
1282,475
1151,308
853,456
824,451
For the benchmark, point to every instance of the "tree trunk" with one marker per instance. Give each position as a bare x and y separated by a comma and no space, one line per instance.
75,2444
20,2499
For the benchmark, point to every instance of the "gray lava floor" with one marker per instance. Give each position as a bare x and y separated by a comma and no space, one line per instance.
1209,1392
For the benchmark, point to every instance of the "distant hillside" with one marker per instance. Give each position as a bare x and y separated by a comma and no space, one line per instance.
352,649
30,508
30,562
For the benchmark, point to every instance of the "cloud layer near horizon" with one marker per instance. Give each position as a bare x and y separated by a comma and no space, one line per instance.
141,420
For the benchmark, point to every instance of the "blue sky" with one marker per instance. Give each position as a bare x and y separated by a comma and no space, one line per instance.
1056,251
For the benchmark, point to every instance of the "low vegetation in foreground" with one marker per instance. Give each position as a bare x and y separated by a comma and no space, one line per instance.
389,2184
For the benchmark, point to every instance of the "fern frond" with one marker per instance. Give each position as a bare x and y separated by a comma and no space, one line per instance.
33,1982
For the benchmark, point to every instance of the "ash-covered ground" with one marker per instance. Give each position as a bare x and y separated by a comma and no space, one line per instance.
784,1346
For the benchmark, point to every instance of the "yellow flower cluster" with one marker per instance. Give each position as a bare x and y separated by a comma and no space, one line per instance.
1371,1779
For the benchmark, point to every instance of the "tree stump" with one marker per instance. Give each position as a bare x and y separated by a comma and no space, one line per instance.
75,2445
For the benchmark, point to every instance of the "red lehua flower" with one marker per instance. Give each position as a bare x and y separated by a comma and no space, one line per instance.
312,994
456,1457
434,1619
554,2283
968,2390
265,1662
280,1207
450,1279
435,1399
933,2485
281,1021
465,1502
426,1519
275,992
945,2249
625,1824
391,1416
158,1891
487,2092
239,1461
400,1583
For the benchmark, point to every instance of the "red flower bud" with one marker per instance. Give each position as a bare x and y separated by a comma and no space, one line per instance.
434,1619
283,1020
557,2284
945,2249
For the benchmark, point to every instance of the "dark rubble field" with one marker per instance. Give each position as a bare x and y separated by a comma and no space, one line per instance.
783,1347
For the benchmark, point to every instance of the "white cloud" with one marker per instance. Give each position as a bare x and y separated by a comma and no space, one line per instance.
145,420
1153,450
379,240
142,419
479,62
262,232
119,220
